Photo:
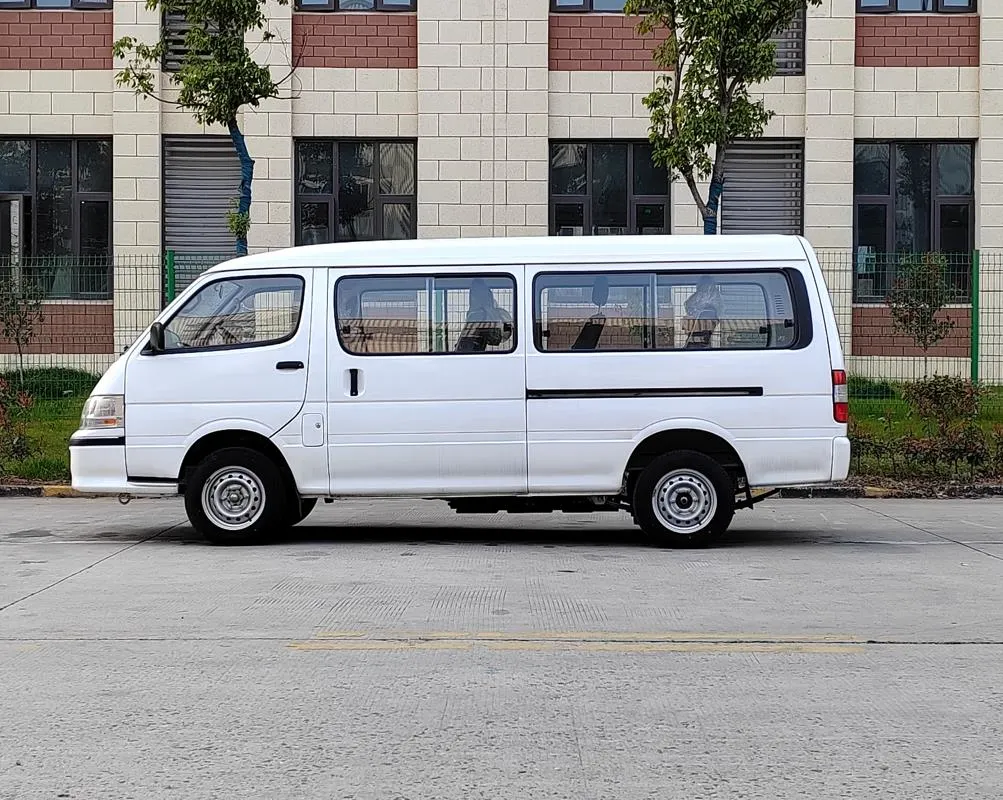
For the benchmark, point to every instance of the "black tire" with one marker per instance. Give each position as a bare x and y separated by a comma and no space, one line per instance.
696,493
257,485
306,505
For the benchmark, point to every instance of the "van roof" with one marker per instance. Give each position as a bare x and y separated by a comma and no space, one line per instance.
526,250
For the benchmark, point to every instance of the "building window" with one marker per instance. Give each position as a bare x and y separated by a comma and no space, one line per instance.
357,5
55,214
350,190
57,5
922,6
599,188
912,197
426,315
620,311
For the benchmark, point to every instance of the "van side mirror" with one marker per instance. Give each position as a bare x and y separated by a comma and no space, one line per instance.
157,344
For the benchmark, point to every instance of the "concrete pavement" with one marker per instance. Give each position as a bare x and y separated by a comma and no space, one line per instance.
395,650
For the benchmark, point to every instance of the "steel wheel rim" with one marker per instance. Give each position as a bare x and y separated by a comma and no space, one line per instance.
684,501
233,498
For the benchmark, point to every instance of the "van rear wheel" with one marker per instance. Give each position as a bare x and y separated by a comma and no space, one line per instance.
683,499
235,496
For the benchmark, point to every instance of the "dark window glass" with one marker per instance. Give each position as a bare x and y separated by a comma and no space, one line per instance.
618,185
397,168
15,165
954,169
618,311
569,219
94,166
609,188
916,6
871,169
650,218
568,168
355,191
54,201
398,221
418,316
375,198
314,224
357,5
955,228
649,177
314,167
912,198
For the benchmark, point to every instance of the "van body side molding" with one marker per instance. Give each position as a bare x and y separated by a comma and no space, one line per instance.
698,391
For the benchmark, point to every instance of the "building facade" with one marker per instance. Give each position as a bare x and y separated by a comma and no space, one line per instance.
445,118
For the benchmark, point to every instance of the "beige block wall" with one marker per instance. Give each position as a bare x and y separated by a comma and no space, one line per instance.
482,118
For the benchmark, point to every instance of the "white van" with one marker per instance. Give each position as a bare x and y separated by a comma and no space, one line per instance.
663,375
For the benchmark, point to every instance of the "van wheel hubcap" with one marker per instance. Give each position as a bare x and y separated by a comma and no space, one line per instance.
684,501
233,498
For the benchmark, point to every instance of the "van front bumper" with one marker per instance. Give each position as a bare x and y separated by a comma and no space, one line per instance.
97,466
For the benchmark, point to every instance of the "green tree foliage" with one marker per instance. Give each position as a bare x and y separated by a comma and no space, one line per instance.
714,51
218,75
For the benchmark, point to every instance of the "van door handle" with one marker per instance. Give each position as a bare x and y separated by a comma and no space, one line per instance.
353,382
289,365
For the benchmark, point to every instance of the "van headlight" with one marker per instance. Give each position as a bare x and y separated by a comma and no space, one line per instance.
103,411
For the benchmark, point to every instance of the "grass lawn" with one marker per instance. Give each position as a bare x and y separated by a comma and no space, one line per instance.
51,425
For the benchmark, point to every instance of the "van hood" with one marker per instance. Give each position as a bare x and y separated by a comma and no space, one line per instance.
113,380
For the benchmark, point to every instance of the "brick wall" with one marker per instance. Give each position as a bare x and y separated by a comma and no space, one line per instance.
917,40
874,334
55,39
72,328
355,40
599,42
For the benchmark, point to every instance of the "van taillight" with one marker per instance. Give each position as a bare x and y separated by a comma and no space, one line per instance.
840,397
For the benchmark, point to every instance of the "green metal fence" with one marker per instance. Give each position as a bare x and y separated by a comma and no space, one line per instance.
901,318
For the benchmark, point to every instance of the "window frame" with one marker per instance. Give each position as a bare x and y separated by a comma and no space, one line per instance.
74,5
379,7
889,201
77,198
429,278
891,7
796,286
633,200
379,199
147,350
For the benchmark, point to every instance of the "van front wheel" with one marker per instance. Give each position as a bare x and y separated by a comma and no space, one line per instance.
236,495
683,499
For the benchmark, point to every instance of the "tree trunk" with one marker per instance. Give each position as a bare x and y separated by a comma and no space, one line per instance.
713,201
246,176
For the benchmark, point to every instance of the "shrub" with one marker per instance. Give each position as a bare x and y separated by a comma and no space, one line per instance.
52,383
921,290
14,407
944,400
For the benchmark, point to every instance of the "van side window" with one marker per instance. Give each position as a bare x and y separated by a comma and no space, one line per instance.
621,311
238,312
424,315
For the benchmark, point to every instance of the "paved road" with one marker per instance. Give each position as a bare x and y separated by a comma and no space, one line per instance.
846,649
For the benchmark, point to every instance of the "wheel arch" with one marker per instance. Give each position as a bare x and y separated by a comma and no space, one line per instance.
218,440
685,435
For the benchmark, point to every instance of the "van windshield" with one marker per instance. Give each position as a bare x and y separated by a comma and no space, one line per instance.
237,311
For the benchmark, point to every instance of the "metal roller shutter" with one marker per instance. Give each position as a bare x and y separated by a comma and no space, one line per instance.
764,187
201,179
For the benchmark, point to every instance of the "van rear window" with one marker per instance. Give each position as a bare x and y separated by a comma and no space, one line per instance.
625,311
